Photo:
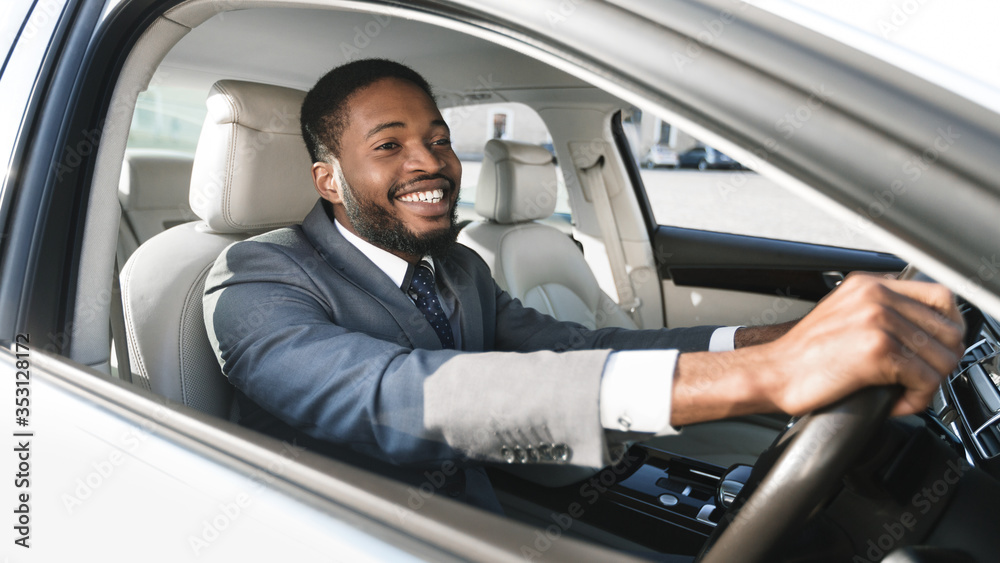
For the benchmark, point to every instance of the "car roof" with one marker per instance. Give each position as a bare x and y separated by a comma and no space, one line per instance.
303,44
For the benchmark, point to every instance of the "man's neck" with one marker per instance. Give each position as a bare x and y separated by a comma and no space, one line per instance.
337,214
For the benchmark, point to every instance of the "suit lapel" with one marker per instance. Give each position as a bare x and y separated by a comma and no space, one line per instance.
457,280
357,269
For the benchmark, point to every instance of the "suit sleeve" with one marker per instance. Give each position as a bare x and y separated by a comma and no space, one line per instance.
546,333
278,342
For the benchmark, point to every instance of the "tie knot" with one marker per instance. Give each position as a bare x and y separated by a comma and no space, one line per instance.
423,278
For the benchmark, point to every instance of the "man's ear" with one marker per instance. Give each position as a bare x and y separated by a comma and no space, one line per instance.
325,182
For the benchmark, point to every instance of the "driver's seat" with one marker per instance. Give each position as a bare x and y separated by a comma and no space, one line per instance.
250,175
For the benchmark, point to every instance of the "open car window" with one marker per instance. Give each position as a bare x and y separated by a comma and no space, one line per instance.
693,185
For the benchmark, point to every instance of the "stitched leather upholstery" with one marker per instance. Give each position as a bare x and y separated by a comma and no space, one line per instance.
250,174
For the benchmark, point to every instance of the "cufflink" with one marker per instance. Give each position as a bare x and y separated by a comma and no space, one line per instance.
561,453
624,423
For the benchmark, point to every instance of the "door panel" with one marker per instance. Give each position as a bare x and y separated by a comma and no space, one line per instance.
719,278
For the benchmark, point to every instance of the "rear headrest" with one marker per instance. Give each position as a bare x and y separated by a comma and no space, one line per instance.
251,169
165,176
517,182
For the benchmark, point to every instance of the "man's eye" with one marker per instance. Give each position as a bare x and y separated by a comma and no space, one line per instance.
386,146
442,142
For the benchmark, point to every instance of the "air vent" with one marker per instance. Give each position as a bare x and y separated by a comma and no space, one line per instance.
975,389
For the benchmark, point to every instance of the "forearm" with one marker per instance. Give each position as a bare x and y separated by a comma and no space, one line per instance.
753,335
715,385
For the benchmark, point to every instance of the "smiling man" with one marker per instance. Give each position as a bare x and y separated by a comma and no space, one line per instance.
382,190
379,335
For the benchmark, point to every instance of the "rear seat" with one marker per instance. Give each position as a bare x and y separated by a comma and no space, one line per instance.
153,191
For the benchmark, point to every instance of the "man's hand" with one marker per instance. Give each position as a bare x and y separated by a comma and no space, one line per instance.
869,331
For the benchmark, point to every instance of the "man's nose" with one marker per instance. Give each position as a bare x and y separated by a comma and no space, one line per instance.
423,158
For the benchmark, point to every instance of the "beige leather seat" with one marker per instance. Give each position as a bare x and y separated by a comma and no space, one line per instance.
153,192
543,268
534,262
250,175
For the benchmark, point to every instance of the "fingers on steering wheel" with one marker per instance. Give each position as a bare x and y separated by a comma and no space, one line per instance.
919,348
919,380
917,296
935,318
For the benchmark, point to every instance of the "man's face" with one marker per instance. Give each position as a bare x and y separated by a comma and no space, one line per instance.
398,176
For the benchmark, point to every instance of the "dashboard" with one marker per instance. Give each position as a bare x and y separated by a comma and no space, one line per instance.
966,409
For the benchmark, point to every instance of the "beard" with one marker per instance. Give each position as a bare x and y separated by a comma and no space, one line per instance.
383,229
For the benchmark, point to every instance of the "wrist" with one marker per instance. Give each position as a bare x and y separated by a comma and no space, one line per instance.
709,386
752,336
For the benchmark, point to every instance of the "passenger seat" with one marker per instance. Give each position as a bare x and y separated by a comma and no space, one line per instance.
536,263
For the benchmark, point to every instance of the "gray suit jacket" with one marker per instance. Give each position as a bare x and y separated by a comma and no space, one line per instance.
325,350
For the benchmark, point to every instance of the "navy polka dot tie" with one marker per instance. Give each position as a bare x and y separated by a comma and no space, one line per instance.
425,298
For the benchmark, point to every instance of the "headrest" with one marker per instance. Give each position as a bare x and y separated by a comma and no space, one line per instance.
251,168
164,177
517,182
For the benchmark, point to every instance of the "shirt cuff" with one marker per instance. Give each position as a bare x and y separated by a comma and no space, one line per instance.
723,339
636,391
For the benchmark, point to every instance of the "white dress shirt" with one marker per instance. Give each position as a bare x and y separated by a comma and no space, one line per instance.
636,385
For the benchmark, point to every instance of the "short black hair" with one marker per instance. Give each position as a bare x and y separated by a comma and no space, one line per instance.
324,111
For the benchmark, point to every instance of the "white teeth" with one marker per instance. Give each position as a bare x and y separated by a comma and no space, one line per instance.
432,196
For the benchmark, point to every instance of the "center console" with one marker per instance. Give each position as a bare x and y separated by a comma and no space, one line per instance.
656,499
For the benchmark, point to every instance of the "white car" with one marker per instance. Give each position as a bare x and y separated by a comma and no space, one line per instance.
142,464
660,155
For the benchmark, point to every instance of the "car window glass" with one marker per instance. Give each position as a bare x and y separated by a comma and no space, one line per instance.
168,117
471,126
691,184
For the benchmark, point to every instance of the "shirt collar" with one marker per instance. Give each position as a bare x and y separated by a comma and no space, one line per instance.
393,266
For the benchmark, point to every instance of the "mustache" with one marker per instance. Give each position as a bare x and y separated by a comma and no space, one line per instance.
398,187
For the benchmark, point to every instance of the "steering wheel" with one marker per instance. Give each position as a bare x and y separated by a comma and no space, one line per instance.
818,451
815,455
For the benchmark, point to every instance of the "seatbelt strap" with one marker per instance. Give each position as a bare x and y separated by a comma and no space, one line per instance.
118,332
593,178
